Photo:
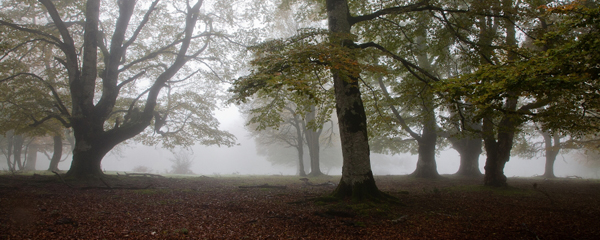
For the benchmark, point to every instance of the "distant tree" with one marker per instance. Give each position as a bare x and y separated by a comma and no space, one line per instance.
182,163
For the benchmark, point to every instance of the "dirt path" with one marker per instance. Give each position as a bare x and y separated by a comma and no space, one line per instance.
43,207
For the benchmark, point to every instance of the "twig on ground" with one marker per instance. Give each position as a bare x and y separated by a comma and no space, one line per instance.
102,180
69,185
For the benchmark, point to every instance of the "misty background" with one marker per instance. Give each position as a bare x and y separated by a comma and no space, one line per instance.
243,159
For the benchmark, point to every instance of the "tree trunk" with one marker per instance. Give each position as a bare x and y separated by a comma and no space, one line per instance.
314,147
86,160
32,150
91,145
10,138
494,167
469,149
498,152
426,165
57,153
357,179
507,126
300,149
17,150
551,149
314,153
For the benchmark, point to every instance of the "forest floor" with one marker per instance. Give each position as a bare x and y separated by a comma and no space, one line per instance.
242,207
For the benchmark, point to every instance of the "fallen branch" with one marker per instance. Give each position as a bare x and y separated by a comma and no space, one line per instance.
143,174
264,186
325,184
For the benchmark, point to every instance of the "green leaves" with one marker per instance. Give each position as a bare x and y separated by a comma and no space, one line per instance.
558,87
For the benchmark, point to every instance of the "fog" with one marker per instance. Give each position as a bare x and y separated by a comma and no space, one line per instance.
243,159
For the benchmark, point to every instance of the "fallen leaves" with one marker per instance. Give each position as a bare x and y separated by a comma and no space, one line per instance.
216,208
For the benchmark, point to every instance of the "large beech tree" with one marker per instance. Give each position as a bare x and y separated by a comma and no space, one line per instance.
280,62
115,58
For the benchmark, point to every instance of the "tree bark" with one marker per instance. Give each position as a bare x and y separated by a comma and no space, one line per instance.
57,153
88,155
314,147
17,150
494,166
357,180
498,152
32,150
469,158
469,149
10,138
426,165
552,148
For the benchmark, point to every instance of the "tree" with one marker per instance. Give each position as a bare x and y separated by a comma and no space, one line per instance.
114,73
554,87
182,163
294,131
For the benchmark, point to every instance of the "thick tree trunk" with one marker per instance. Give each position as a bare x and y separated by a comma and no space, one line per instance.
86,159
32,150
498,152
426,165
357,179
494,166
91,145
469,149
57,153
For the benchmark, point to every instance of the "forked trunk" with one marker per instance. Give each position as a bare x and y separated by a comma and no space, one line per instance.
552,149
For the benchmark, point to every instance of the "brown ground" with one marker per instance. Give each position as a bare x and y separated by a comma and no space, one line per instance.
43,207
